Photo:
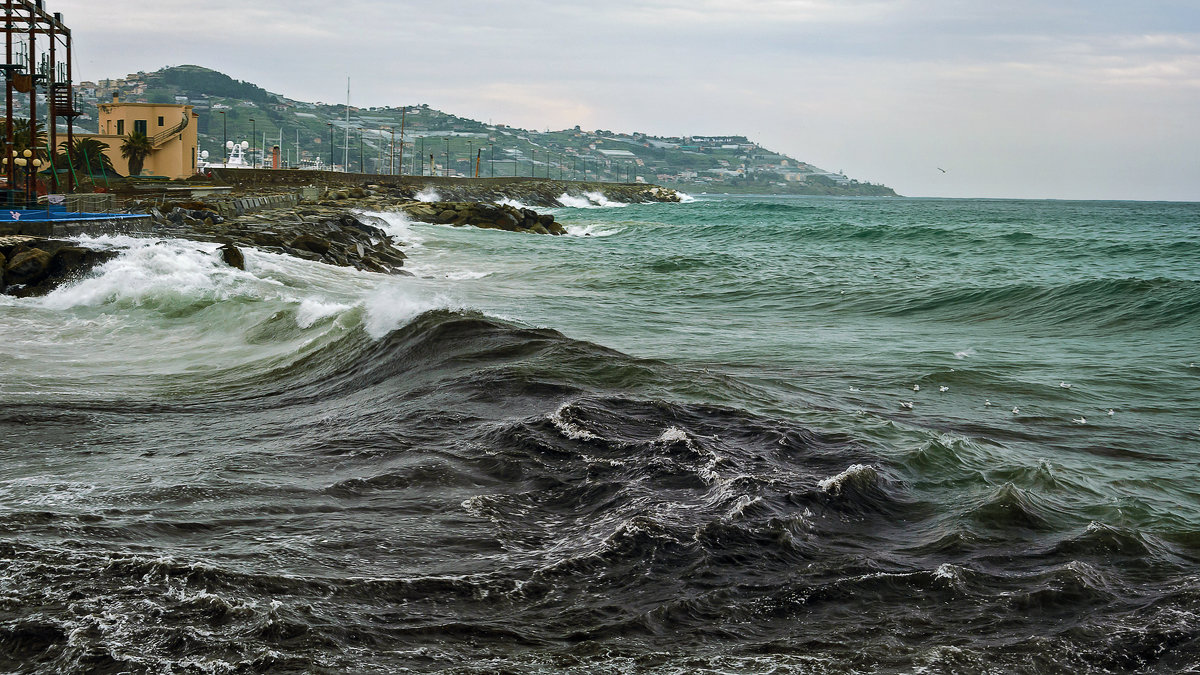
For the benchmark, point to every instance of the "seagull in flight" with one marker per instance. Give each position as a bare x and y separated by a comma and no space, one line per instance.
941,169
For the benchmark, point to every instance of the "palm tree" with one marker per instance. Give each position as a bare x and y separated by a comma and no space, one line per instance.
87,156
136,148
22,135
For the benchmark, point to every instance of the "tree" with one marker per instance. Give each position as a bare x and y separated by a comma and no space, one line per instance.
22,135
87,156
136,149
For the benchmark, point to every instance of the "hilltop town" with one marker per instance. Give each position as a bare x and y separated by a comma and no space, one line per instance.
419,140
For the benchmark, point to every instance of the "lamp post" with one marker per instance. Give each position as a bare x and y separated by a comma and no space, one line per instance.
447,157
469,153
330,125
252,145
361,166
492,162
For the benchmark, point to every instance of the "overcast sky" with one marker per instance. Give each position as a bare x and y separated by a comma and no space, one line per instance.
1091,99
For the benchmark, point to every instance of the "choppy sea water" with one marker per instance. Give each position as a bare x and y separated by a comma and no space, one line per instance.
751,435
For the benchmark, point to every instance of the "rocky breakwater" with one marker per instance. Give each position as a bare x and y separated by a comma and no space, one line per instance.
35,266
477,214
486,216
321,233
532,192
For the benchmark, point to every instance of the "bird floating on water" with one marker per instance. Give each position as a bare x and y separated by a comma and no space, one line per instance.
906,404
1016,410
1111,412
1064,385
943,389
988,402
1080,420
916,387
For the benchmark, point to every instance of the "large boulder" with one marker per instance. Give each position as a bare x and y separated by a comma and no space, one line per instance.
232,256
27,267
313,243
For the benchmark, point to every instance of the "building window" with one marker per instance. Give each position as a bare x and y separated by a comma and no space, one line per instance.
120,127
139,127
160,120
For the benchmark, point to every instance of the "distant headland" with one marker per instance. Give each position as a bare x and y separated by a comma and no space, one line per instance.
419,140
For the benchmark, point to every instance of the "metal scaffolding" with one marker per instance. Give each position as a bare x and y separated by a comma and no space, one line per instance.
24,21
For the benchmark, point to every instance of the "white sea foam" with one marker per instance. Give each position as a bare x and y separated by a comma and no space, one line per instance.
674,435
573,202
152,270
568,428
685,198
394,305
428,195
600,200
592,230
964,354
946,571
857,473
739,507
590,200
398,226
312,310
506,201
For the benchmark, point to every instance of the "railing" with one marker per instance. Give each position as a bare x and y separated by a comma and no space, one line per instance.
165,136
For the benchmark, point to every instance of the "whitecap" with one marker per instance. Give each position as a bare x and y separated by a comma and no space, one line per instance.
398,226
428,195
568,428
857,473
592,230
312,310
394,305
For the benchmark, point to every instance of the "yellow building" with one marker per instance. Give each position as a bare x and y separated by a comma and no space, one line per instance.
170,128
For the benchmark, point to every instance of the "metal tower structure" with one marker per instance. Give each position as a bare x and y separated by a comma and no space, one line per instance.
25,23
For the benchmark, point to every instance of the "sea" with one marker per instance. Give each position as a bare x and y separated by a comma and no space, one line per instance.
739,434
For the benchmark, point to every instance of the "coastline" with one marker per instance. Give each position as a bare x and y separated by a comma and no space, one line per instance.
322,219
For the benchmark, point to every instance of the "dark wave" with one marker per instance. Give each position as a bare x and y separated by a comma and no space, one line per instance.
466,492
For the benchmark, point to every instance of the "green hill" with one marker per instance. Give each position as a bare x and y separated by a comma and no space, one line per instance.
230,109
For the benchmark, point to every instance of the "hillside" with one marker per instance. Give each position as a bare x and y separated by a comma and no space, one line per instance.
441,143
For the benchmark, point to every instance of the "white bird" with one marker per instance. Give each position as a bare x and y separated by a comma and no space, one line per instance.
855,389
916,387
1064,385
943,389
906,404
1111,412
988,402
1080,420
1016,410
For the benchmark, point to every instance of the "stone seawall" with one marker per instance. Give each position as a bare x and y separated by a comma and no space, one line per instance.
530,191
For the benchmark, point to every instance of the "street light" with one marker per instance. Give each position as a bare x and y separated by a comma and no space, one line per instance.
447,157
330,125
470,172
361,166
252,146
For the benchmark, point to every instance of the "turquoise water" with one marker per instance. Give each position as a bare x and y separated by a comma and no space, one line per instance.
738,434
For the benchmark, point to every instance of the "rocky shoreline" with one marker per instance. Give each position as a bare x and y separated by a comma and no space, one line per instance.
331,226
